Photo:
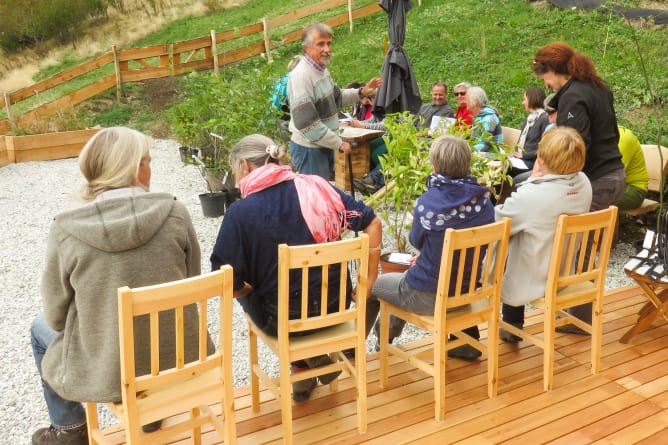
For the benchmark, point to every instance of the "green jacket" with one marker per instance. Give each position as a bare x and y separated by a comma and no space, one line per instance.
138,240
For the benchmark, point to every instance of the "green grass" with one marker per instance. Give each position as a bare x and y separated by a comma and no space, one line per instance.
486,42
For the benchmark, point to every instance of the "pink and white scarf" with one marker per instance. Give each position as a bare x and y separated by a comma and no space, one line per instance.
321,207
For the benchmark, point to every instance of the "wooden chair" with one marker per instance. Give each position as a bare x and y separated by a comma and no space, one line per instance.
337,331
188,389
479,302
576,276
510,137
656,160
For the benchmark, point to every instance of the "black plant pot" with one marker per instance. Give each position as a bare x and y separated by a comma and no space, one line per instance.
232,196
186,154
213,204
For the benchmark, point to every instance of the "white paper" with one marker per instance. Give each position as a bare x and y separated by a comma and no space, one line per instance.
347,117
400,258
518,163
441,123
648,242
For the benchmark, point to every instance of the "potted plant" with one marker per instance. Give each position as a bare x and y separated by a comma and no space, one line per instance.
406,167
213,114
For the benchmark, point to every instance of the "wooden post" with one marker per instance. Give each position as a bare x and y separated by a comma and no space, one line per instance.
350,15
8,108
119,78
214,52
170,57
265,30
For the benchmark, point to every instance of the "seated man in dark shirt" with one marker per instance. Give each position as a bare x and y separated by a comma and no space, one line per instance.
438,107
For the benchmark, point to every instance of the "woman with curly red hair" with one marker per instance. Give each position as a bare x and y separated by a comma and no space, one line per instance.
584,102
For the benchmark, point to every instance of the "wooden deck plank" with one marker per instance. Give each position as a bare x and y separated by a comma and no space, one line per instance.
627,402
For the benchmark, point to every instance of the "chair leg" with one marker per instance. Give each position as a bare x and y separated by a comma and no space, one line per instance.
596,335
384,324
92,422
493,356
548,348
440,357
286,402
254,379
197,430
360,364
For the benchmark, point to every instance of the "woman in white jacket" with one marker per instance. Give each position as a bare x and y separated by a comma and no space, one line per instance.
556,186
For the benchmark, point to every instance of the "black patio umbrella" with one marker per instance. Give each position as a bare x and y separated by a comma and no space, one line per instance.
399,91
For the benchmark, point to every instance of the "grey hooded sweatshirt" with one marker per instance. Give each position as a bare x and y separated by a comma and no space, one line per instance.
93,250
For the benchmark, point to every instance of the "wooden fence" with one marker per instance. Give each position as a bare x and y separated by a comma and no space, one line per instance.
170,59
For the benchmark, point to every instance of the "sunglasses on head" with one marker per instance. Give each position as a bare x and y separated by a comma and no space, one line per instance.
460,93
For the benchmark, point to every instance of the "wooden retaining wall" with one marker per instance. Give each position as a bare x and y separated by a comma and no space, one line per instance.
43,147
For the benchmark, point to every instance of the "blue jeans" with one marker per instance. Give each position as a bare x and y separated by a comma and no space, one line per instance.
312,160
64,414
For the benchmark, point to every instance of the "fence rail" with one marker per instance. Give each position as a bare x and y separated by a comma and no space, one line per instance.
169,59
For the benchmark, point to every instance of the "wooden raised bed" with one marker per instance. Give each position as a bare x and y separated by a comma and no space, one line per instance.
43,147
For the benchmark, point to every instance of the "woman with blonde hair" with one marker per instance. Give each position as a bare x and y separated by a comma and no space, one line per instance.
556,186
119,235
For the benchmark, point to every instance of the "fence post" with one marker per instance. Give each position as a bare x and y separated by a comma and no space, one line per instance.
350,14
8,108
117,69
214,52
265,30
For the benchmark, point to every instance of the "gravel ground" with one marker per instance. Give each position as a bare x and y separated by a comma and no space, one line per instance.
30,195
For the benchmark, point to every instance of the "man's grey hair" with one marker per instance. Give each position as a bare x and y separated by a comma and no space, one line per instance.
477,95
313,29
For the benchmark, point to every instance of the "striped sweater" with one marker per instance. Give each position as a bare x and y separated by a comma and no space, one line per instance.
314,103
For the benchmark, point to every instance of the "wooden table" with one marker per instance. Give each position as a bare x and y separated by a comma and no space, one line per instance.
359,139
646,270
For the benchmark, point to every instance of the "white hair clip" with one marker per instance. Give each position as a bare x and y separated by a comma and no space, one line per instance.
272,150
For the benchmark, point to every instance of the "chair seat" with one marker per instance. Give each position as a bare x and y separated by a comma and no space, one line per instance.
339,337
166,401
566,295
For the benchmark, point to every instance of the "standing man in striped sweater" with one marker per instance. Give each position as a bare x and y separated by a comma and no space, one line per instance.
314,103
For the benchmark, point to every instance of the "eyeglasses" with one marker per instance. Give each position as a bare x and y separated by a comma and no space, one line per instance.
369,97
550,111
460,93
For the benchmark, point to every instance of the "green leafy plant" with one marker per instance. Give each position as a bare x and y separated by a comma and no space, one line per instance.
406,167
215,112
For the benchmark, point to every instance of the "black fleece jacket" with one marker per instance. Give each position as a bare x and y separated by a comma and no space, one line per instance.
590,111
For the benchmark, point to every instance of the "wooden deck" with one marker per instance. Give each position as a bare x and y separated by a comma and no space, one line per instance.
626,403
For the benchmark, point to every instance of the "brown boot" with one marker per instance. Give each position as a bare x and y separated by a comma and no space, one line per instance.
57,436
